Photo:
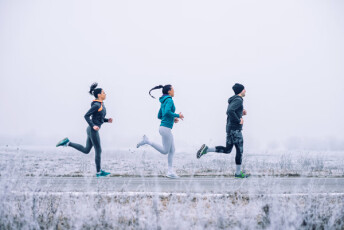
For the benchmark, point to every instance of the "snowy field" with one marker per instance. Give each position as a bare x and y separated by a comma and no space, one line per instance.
29,161
25,205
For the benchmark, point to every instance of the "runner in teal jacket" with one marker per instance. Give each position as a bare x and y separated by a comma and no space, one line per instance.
168,117
167,111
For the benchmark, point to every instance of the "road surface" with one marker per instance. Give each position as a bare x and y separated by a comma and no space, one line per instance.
218,185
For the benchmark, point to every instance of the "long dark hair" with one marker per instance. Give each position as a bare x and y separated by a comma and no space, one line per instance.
165,89
94,90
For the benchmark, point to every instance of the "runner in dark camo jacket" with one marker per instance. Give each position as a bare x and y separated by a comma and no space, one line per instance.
235,111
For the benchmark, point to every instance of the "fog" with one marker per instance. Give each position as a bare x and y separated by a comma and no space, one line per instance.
289,55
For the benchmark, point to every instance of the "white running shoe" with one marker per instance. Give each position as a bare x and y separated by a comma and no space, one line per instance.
143,142
172,175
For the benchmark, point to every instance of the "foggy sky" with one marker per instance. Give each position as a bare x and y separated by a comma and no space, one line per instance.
288,54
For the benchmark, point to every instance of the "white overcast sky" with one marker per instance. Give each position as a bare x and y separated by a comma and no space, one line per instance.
288,54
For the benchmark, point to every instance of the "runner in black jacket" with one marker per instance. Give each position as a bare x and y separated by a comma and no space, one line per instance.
235,111
95,117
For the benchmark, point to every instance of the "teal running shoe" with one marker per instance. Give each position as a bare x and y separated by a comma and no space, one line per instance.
202,151
64,142
103,173
241,175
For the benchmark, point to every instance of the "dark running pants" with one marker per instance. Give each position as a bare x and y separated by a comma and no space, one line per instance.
234,138
93,140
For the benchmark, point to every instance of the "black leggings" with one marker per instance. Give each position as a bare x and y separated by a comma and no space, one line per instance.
234,138
93,140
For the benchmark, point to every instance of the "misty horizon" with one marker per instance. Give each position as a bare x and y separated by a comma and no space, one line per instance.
288,55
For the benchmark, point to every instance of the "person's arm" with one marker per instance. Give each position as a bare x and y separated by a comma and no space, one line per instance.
108,120
232,107
87,116
168,109
160,114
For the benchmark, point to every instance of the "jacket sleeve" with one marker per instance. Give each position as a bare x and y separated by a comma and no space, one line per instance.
106,120
232,107
168,109
160,114
87,116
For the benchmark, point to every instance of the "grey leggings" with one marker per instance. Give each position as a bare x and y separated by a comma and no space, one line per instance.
167,142
92,140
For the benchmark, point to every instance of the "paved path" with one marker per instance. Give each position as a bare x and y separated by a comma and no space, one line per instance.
264,185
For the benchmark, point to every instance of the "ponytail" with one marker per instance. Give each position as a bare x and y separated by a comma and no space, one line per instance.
156,87
165,89
94,90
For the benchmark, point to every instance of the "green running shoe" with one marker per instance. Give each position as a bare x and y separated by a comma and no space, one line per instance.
102,173
241,175
64,142
202,151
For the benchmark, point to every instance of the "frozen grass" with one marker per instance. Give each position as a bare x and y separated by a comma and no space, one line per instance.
32,209
170,211
147,162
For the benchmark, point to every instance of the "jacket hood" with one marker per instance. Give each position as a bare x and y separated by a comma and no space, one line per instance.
96,101
233,98
163,98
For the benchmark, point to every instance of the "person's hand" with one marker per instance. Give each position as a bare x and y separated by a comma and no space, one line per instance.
176,120
181,116
244,112
241,121
110,120
96,128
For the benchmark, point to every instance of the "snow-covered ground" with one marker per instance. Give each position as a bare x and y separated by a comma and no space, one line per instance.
34,161
30,207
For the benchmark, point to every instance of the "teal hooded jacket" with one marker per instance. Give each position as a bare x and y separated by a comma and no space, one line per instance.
166,113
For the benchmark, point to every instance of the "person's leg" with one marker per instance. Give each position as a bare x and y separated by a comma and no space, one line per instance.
171,174
239,146
229,145
166,135
81,148
97,147
223,149
218,149
170,155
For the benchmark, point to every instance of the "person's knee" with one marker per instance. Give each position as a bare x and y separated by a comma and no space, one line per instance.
165,150
87,150
227,150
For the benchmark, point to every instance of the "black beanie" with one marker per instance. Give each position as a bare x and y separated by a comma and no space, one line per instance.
238,88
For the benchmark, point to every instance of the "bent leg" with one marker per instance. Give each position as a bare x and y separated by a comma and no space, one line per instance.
229,145
81,148
222,149
158,147
166,141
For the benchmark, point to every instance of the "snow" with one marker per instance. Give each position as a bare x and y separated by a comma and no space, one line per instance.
31,208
